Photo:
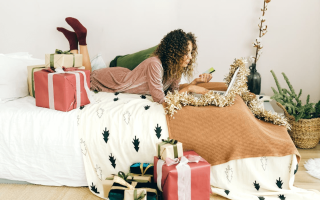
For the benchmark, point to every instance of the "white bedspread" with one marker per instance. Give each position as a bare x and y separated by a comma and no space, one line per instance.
260,178
39,145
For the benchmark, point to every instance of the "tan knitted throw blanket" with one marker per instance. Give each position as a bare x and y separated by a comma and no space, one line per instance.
221,134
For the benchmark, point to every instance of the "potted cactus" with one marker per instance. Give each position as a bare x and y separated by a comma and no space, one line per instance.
304,119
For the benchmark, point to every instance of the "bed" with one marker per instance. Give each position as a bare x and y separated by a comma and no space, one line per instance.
84,146
53,154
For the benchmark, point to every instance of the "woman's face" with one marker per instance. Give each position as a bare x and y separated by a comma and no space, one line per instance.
188,57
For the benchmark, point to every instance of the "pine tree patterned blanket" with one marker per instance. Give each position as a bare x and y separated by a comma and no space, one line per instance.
118,130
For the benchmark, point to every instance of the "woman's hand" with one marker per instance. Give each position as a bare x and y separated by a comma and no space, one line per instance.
203,78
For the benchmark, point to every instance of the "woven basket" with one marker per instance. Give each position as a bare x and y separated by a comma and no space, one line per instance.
305,133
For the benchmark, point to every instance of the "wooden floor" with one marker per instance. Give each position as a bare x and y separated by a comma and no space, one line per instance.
37,192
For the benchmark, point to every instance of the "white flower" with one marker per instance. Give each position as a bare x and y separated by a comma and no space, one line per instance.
259,39
252,59
244,60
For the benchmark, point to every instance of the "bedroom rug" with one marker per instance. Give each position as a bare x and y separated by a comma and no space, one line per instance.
313,167
6,181
39,192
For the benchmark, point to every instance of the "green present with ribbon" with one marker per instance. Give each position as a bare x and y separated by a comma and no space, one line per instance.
62,59
169,148
31,69
123,187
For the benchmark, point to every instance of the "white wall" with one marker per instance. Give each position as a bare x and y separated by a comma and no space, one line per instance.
225,30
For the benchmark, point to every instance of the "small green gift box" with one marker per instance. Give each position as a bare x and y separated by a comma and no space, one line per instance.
63,59
169,149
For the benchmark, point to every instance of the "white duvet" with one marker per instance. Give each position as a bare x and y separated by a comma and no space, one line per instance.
39,145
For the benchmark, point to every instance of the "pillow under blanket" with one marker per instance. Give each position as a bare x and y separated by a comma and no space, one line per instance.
131,61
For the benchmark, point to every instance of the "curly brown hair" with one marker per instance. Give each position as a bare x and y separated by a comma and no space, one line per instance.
171,51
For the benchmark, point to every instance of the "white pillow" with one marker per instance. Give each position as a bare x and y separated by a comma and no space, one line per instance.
97,63
13,74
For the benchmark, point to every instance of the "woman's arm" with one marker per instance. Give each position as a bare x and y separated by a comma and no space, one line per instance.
154,76
194,89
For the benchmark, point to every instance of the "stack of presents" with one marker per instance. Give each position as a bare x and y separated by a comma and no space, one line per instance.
174,175
61,83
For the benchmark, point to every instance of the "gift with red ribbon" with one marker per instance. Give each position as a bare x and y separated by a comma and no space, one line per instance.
63,89
185,178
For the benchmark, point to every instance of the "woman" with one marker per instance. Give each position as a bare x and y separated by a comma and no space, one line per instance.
174,57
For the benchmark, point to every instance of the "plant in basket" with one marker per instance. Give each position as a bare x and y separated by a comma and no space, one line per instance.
304,119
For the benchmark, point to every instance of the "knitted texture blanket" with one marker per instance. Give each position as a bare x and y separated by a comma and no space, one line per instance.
228,133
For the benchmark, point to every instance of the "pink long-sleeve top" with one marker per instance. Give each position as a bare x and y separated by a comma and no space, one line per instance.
146,78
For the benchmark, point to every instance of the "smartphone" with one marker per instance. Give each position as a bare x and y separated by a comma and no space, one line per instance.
209,71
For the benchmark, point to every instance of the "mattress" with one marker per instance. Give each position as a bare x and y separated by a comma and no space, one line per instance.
39,145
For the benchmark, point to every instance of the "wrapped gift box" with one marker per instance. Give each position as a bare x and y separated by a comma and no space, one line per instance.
31,69
167,150
142,168
34,68
132,194
166,178
63,60
61,92
117,191
142,172
140,178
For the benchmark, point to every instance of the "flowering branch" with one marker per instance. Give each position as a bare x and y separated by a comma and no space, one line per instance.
262,31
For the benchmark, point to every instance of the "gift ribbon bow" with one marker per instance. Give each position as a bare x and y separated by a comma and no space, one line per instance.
170,161
141,168
143,172
124,176
121,181
140,197
169,141
189,158
58,51
78,89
